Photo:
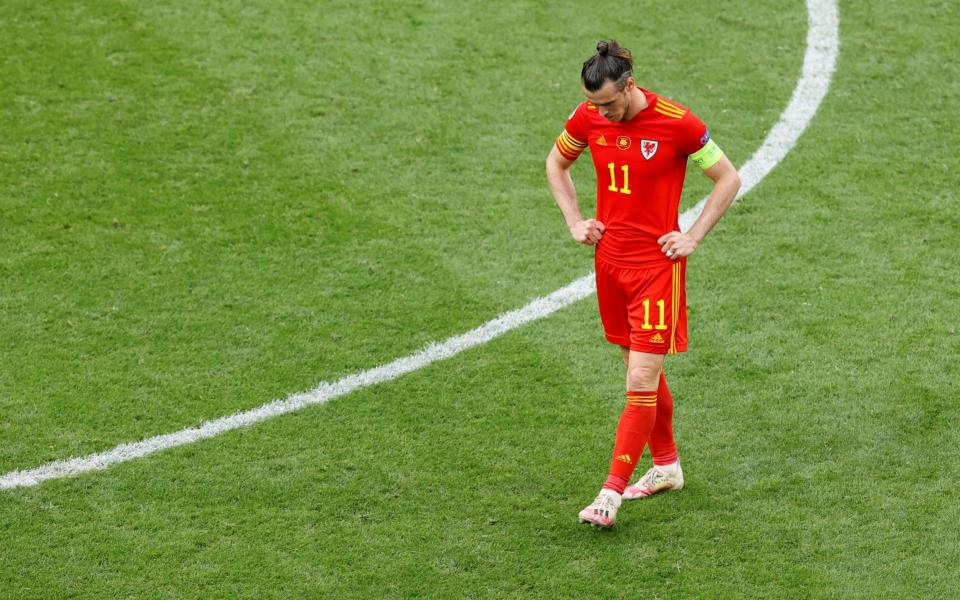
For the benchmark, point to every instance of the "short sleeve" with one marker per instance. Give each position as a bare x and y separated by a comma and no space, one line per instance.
695,142
693,134
572,141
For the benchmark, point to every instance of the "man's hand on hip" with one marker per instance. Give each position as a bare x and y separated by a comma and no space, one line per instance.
676,244
588,231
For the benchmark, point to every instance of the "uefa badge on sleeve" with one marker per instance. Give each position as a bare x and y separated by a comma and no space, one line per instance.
648,148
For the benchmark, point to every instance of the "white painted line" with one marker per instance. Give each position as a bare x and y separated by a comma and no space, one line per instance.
819,63
581,288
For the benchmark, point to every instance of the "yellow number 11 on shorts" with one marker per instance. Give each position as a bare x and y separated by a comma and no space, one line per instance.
661,304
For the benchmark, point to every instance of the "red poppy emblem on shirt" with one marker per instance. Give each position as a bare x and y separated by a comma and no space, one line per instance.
648,148
623,142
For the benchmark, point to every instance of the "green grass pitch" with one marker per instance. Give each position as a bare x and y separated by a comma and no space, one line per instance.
205,206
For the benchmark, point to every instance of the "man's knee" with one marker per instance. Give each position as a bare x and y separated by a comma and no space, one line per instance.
643,377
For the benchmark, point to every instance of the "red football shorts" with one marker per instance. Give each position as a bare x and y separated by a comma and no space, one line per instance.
644,309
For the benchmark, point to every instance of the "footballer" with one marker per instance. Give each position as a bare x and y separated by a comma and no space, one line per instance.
640,143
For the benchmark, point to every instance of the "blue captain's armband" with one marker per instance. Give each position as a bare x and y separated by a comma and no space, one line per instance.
707,156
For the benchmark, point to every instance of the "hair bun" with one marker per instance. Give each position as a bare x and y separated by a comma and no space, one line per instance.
611,62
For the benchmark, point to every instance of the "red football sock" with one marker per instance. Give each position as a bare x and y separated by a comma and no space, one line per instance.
634,428
662,445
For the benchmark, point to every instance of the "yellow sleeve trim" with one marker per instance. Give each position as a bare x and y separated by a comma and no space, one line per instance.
573,141
569,146
707,156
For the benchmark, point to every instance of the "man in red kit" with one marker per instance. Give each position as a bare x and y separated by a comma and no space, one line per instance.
640,143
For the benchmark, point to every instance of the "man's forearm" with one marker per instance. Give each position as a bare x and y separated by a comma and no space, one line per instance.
721,197
564,193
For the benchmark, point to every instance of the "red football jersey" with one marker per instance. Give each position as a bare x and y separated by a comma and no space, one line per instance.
640,167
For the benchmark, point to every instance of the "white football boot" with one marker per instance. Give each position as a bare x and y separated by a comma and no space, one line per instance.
603,511
654,481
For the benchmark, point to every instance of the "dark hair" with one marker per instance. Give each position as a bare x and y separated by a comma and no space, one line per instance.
612,61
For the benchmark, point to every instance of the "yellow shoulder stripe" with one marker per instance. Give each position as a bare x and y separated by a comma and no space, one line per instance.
665,108
668,104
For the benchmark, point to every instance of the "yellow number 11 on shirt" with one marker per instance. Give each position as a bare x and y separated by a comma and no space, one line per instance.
613,179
